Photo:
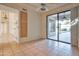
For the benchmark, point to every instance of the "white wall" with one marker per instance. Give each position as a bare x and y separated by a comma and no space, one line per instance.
33,25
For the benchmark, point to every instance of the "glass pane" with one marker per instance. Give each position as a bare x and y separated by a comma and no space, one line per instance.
64,27
52,27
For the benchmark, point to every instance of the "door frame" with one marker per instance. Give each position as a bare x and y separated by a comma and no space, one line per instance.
57,25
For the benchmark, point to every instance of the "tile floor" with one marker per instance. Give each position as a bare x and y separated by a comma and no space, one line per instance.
7,38
38,48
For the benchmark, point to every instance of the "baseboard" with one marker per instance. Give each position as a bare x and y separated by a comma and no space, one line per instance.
33,40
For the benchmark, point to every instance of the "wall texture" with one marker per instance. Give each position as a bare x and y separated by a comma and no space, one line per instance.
33,25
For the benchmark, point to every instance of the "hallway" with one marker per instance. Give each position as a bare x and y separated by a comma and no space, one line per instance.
39,48
8,25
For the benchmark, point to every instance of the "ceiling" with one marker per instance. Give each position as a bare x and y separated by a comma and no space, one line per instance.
49,6
34,6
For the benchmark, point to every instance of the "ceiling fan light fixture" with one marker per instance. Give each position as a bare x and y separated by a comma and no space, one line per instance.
43,4
24,9
43,8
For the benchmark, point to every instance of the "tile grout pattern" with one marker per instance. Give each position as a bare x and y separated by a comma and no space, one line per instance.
38,48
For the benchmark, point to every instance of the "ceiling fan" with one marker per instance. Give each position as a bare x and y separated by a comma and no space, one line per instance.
43,7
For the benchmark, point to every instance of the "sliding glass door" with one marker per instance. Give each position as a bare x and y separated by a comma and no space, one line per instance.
52,27
58,27
64,27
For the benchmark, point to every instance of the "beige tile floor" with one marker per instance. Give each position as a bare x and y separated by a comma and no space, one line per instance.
7,38
38,48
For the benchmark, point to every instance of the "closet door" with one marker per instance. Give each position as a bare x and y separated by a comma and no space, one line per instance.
23,24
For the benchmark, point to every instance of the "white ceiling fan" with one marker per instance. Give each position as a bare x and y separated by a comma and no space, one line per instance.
43,8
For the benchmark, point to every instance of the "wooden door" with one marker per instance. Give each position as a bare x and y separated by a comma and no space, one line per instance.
23,24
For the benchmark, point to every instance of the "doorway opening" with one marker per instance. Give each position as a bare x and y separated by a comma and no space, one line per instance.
9,25
59,27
